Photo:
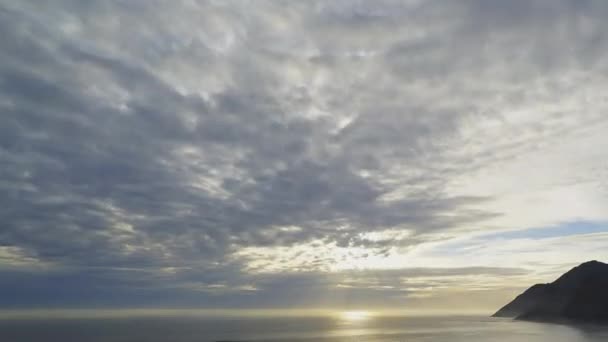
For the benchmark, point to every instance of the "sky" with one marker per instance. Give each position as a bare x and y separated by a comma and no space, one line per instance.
403,155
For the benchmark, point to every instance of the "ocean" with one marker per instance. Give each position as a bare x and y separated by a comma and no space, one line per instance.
324,329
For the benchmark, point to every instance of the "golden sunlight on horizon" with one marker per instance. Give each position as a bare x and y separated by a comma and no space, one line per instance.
355,315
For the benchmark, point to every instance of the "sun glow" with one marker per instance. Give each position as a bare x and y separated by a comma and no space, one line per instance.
355,315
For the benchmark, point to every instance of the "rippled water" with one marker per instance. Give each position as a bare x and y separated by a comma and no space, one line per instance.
377,329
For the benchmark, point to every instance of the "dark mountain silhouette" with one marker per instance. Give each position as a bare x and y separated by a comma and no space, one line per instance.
580,295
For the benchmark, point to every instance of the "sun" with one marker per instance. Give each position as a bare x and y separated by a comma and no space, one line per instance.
355,315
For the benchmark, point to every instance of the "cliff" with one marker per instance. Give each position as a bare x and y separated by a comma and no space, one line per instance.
580,295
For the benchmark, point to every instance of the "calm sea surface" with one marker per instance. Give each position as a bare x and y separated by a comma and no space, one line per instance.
377,329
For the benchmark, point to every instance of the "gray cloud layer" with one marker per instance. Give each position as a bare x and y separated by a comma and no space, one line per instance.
144,143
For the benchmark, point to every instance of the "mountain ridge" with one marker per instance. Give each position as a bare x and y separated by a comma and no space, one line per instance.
579,295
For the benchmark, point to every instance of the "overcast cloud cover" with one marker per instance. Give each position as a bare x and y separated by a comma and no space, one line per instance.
304,153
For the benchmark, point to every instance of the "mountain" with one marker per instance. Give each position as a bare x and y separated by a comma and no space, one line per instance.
580,295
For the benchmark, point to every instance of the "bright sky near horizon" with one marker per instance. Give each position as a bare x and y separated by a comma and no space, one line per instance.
299,154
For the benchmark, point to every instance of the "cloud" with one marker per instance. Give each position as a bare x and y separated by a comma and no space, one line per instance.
208,145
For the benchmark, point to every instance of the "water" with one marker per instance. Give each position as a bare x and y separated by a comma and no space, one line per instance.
325,329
